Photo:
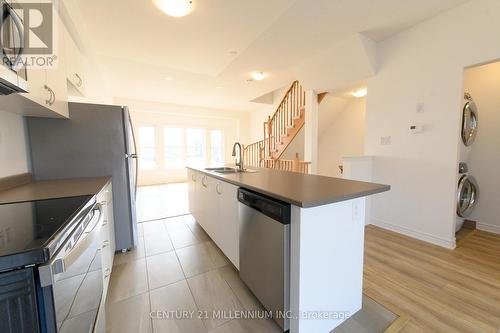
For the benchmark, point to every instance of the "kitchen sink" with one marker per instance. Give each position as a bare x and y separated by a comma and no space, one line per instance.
227,170
223,169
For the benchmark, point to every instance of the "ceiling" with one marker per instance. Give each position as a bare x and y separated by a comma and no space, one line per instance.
206,57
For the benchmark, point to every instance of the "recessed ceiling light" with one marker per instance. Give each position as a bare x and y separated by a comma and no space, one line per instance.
169,78
175,8
360,92
258,76
219,87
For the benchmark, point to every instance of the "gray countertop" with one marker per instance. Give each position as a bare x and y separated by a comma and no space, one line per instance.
299,189
52,189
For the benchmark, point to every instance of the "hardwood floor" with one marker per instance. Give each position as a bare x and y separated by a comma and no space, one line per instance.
439,290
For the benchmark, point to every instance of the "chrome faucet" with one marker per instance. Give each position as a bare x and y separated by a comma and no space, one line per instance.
240,155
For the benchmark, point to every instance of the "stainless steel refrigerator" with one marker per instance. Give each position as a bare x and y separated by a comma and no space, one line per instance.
97,140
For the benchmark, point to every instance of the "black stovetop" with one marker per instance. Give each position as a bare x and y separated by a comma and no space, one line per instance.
31,232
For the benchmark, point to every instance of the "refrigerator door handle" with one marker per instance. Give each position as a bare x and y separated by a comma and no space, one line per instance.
134,155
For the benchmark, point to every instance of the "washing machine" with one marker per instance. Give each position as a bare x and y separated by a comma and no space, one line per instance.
467,195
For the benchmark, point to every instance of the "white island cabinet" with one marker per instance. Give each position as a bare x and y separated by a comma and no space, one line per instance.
326,236
214,205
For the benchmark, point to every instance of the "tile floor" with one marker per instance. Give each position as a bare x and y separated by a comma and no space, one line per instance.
176,267
161,201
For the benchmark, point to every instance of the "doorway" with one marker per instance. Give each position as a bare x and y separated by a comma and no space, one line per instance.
479,156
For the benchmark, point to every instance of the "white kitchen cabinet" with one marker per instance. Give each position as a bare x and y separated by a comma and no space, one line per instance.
47,95
207,213
227,221
105,199
192,191
38,91
56,76
214,205
75,71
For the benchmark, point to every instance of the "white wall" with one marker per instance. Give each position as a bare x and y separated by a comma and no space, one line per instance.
160,115
425,64
344,137
259,116
296,146
256,123
13,149
483,83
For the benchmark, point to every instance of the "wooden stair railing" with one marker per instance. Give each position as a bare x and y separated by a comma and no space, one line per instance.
295,165
279,131
282,127
253,154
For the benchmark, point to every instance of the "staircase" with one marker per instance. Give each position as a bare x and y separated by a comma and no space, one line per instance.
279,131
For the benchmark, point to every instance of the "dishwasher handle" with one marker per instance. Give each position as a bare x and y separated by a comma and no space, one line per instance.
276,209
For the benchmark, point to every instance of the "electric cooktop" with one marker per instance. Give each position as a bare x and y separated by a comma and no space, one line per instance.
31,232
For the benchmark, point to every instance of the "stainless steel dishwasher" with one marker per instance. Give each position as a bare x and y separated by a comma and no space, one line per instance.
265,251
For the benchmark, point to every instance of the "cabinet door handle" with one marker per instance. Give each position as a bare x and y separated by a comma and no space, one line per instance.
80,81
105,223
204,181
218,188
107,273
193,177
52,97
105,244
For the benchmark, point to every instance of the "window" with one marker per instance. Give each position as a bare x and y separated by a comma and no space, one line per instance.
216,147
173,142
147,152
195,146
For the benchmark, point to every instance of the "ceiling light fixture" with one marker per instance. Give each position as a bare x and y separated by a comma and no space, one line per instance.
258,76
360,92
175,8
169,78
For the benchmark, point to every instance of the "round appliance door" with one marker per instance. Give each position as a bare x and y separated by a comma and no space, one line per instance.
467,195
469,123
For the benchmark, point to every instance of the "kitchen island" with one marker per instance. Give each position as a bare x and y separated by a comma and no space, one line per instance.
326,238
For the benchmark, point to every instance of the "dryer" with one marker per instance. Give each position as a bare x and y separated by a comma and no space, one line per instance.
470,120
469,127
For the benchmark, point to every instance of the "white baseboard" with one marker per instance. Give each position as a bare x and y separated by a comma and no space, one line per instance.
488,227
448,243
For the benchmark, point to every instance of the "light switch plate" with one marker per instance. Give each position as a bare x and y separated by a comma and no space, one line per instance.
420,107
385,140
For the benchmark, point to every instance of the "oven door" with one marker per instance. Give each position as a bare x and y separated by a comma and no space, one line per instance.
74,277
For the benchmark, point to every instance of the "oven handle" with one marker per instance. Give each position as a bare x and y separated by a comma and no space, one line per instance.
90,234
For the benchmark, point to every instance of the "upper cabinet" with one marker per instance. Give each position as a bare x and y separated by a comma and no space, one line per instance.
47,96
56,76
75,72
48,85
